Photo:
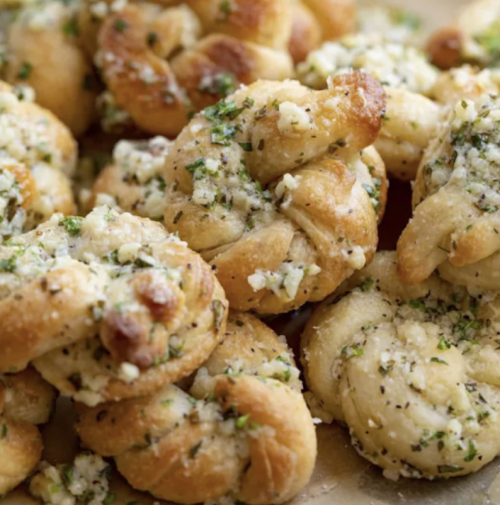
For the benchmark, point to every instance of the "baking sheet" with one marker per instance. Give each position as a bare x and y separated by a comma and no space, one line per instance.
341,476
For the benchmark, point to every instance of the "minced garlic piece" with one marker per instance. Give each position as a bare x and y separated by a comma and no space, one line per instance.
356,257
128,372
289,182
85,481
293,118
285,281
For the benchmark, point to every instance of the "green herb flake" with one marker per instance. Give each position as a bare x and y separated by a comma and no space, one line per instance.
192,167
352,352
242,421
367,284
417,304
248,102
70,28
67,474
438,360
8,265
246,146
471,452
120,25
72,224
152,38
5,430
110,498
222,134
443,344
195,449
25,70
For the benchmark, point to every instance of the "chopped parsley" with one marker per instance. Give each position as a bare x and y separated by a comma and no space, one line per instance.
120,25
417,304
242,421
192,167
352,352
443,344
195,449
222,84
225,8
471,452
25,70
367,284
72,224
8,265
70,28
223,134
111,498
438,360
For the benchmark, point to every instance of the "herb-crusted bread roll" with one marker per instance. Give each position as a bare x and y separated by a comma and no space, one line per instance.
265,185
63,83
25,401
471,38
412,370
411,119
456,200
160,65
106,307
243,432
36,154
315,21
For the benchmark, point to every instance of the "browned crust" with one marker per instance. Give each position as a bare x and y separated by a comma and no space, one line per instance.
157,107
444,48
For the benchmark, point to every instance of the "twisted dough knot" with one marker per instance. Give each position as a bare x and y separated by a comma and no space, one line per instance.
63,83
160,76
315,21
471,38
411,119
106,307
456,200
36,153
244,431
25,401
413,371
267,186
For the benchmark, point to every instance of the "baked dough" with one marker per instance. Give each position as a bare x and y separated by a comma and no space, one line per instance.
456,198
265,186
25,401
243,432
107,307
315,21
162,64
412,370
471,38
411,119
43,51
36,154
